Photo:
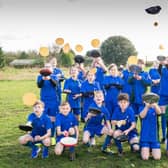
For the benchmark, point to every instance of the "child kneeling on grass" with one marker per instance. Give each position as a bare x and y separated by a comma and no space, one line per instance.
149,136
125,124
40,133
66,125
94,125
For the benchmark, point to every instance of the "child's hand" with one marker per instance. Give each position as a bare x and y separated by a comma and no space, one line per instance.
76,96
37,138
66,133
46,77
126,132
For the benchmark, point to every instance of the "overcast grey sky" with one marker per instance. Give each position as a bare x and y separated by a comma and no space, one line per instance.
29,24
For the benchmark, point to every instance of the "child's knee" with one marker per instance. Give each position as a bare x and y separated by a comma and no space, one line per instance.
47,142
71,131
22,140
85,139
116,134
58,151
157,157
144,157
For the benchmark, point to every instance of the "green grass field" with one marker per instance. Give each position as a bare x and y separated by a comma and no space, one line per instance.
13,113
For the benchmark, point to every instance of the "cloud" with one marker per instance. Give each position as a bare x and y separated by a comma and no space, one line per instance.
11,37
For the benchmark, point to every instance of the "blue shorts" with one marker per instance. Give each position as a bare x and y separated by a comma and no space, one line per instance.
132,134
76,111
163,101
51,108
94,130
151,145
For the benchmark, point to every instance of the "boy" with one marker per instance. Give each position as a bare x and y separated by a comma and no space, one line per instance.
72,87
139,83
60,76
94,124
87,89
48,94
113,85
66,124
124,121
41,131
149,136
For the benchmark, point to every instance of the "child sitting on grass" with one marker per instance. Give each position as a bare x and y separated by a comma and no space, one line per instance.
124,121
66,124
41,131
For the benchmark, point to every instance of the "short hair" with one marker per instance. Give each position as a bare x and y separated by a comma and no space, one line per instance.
112,65
38,102
123,96
141,61
98,91
64,104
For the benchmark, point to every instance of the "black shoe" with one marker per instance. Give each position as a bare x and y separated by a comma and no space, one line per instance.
72,156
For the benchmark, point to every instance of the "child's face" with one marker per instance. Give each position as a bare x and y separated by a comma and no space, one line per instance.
74,72
65,109
99,97
113,71
123,104
38,109
90,77
49,66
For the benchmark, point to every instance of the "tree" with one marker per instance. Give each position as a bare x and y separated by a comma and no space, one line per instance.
67,59
23,55
117,49
2,58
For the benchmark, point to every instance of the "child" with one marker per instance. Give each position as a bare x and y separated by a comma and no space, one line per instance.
139,83
149,136
60,76
66,124
72,87
124,121
98,63
113,85
163,92
41,131
87,89
48,94
94,124
166,115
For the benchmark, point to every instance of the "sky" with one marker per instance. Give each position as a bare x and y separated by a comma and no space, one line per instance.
30,24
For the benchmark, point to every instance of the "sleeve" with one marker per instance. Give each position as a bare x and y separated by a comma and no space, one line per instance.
30,118
48,123
58,121
40,81
132,116
106,114
53,80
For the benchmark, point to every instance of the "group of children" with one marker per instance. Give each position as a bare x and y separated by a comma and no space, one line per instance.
116,97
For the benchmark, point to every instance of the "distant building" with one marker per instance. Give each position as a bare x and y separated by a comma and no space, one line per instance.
22,63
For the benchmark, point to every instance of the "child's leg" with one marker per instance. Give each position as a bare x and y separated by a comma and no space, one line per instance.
71,132
134,142
86,137
156,153
118,143
59,148
46,142
108,137
145,152
163,123
26,140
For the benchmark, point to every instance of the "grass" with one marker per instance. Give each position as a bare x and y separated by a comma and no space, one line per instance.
13,113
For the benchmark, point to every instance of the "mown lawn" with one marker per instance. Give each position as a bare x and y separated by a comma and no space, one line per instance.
13,113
